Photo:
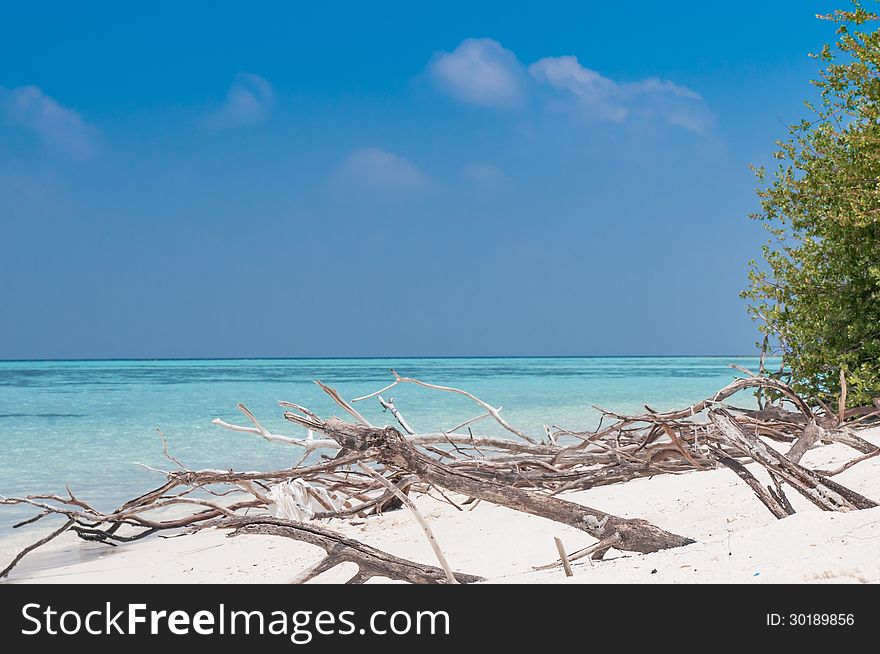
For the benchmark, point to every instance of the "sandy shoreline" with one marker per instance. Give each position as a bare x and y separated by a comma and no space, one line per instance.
738,540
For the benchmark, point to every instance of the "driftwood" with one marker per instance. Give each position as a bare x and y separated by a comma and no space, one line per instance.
432,540
824,493
563,557
32,547
345,470
812,433
392,449
772,501
849,464
340,549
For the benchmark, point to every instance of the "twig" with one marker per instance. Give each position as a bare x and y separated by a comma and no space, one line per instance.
495,413
450,577
258,429
563,557
680,446
470,422
849,464
165,451
388,405
336,397
31,548
379,392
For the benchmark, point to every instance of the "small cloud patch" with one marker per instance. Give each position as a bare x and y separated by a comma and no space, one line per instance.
249,100
484,175
480,72
60,129
374,169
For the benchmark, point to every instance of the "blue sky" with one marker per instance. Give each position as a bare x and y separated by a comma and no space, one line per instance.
291,179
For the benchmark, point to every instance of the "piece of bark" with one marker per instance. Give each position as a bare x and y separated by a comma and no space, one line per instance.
812,433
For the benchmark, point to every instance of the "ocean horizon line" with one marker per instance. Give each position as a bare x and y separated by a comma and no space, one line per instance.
380,357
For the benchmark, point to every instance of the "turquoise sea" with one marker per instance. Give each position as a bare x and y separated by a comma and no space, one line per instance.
84,423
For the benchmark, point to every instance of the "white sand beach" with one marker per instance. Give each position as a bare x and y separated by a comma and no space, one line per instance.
737,540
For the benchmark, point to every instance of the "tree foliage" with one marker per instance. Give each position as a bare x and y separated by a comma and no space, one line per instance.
817,291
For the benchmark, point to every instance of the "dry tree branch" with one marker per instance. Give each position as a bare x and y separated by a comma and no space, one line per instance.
165,452
827,495
521,474
680,446
470,421
812,432
767,499
258,429
336,397
393,449
849,464
731,389
388,405
379,392
494,412
30,548
597,550
371,562
743,370
432,540
563,557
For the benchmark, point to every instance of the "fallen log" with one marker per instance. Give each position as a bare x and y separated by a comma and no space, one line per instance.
392,449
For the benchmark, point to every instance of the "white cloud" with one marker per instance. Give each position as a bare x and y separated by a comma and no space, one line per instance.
375,169
249,100
481,72
589,95
60,129
596,94
484,175
674,104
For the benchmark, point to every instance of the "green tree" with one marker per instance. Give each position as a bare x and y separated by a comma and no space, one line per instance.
817,292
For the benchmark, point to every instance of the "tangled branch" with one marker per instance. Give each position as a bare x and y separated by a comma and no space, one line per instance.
359,470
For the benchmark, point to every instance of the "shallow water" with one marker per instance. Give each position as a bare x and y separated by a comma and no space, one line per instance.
84,422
